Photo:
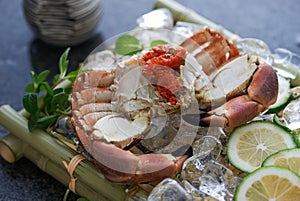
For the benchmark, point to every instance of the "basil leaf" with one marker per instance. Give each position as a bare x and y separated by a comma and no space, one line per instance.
63,63
157,42
127,45
30,103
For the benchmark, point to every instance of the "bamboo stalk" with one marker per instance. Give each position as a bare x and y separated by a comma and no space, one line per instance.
182,13
48,166
58,152
11,148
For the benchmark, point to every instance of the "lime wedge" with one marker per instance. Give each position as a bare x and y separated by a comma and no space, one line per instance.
250,144
287,158
269,184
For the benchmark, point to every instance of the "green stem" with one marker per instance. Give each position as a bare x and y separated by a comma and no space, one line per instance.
66,195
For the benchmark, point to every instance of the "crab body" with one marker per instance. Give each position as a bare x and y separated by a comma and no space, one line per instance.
113,110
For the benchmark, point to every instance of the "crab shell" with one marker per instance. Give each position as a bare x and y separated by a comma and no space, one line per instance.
105,134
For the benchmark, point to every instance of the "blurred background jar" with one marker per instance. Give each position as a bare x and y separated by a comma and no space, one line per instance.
63,22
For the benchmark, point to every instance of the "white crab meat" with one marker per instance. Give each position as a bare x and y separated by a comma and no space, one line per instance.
232,79
120,130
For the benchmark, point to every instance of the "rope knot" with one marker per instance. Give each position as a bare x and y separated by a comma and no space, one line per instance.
71,168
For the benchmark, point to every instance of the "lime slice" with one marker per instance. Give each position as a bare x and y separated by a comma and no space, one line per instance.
288,158
284,95
269,184
250,144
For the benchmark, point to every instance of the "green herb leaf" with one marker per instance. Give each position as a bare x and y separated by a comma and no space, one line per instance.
30,103
29,87
157,42
63,63
127,45
55,79
46,121
42,76
32,122
60,100
72,76
44,86
33,76
47,104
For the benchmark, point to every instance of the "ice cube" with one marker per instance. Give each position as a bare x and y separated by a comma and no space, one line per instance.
209,142
218,181
169,190
291,114
187,29
196,193
287,64
103,60
159,18
193,167
253,46
210,177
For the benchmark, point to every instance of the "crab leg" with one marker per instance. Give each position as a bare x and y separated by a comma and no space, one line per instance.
94,107
93,79
212,49
91,95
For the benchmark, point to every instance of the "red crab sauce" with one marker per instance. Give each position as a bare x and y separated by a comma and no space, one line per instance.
161,67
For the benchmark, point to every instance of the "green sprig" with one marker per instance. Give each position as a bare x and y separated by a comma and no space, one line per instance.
46,102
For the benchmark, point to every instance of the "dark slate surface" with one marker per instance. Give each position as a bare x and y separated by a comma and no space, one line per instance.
274,21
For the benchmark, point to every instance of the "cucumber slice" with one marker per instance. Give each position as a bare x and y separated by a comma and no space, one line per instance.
284,95
250,144
269,183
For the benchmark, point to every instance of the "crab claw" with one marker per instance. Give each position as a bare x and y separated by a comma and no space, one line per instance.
123,166
261,93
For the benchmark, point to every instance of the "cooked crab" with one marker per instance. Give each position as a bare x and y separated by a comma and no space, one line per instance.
113,110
